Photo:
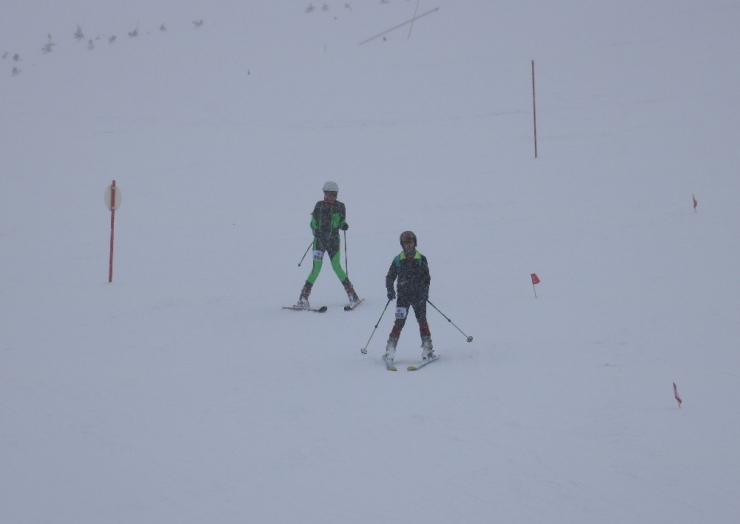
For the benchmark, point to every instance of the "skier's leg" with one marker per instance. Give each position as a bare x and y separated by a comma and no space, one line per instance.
303,298
420,310
350,289
402,308
318,256
336,260
318,261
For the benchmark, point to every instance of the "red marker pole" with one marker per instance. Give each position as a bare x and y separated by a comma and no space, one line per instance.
534,113
112,199
112,228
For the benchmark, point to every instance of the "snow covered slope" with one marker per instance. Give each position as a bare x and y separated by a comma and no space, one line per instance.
182,392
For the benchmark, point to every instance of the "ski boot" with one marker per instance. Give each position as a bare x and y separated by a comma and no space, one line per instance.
350,292
303,299
390,351
427,352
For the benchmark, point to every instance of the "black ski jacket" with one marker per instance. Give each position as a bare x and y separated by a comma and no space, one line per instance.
412,274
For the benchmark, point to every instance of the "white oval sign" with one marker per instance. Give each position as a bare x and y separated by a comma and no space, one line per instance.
107,198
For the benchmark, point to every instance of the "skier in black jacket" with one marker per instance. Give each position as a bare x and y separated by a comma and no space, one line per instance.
411,271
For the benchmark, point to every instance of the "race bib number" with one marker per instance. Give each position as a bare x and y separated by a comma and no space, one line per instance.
401,313
318,255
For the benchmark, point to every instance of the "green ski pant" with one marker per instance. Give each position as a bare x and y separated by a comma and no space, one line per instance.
318,262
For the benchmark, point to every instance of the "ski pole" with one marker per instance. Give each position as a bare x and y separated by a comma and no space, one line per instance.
346,265
469,339
364,350
304,254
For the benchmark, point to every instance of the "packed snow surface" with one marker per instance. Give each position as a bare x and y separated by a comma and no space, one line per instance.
182,392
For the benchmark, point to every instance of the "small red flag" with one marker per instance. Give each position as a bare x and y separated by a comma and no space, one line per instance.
535,279
695,202
675,394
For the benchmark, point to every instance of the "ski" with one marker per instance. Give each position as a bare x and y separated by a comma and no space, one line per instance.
423,363
322,309
353,305
389,367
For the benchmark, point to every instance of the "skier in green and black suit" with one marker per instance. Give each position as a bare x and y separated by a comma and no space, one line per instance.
329,216
410,271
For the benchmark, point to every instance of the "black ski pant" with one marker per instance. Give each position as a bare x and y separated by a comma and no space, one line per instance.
420,311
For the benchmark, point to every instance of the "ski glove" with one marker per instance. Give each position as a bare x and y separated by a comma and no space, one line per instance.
344,227
424,295
391,295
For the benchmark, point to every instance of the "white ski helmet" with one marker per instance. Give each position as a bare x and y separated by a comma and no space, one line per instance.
331,187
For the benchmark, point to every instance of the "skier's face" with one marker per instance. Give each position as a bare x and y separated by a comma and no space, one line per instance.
408,246
330,197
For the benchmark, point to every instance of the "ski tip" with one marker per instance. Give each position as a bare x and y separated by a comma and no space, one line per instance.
424,363
322,309
350,307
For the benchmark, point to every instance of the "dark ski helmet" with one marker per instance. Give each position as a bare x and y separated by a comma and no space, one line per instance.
406,236
331,187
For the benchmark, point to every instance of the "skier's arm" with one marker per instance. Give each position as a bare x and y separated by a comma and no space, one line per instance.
315,221
390,278
426,279
343,218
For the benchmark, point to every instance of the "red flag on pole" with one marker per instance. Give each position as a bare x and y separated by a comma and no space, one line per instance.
535,280
695,202
675,394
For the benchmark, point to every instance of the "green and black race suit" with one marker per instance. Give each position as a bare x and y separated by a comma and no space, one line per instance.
326,222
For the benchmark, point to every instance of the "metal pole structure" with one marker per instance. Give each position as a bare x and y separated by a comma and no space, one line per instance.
399,25
412,20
